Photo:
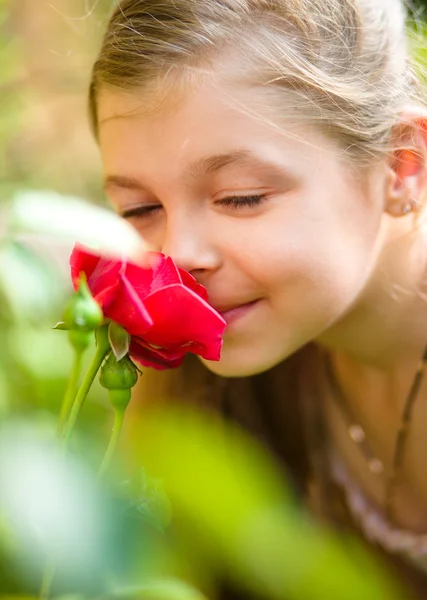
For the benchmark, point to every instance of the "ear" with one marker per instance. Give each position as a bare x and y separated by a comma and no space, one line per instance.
406,183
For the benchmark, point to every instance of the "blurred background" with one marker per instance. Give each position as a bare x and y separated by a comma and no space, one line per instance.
49,165
46,52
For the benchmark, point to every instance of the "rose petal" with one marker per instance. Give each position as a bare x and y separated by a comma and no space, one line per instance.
105,275
189,281
141,278
181,316
128,310
149,358
165,273
82,260
106,297
170,353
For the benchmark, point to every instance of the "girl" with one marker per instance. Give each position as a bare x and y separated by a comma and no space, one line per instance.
276,149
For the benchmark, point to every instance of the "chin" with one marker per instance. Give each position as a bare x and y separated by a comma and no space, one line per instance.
246,360
238,368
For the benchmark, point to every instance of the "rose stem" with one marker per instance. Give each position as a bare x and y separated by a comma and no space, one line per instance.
100,354
112,445
71,391
102,350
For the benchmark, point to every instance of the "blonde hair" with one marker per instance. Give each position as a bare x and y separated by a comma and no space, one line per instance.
345,61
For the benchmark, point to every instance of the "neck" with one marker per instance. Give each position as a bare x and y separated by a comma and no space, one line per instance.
386,327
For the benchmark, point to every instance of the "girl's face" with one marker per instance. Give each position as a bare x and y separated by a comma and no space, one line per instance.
268,219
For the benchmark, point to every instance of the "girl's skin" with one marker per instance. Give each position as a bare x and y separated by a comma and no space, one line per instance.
327,252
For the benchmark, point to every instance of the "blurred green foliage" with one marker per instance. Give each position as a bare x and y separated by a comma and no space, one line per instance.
217,505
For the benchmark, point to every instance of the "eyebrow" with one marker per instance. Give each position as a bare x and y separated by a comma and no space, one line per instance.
213,164
198,168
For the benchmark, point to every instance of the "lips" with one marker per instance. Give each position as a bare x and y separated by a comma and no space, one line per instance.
234,312
228,307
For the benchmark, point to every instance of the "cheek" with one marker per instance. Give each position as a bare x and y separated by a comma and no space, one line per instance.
308,283
316,263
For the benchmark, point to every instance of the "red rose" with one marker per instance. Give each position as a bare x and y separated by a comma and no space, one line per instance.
162,307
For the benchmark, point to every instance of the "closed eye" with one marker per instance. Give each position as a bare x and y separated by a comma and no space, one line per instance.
140,211
234,202
237,202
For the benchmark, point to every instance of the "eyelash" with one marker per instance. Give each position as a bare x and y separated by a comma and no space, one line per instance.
233,202
237,202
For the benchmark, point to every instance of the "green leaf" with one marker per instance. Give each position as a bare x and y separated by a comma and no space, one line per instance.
119,340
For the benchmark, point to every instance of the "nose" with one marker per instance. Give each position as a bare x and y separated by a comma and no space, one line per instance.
191,245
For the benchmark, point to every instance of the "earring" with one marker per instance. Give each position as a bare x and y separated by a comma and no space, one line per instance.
409,207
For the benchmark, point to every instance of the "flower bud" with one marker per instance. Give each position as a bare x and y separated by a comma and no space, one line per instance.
79,340
118,377
119,399
83,313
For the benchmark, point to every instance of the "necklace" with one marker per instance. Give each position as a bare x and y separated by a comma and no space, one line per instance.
358,436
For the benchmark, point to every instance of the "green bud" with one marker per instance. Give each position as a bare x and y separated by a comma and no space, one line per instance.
82,313
79,340
119,399
119,377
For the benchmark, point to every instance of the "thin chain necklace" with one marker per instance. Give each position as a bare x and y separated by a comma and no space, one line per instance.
357,433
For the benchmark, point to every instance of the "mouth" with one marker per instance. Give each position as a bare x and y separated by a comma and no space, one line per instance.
236,312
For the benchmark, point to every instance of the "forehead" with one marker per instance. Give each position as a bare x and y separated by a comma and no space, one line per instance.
155,99
202,99
207,120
